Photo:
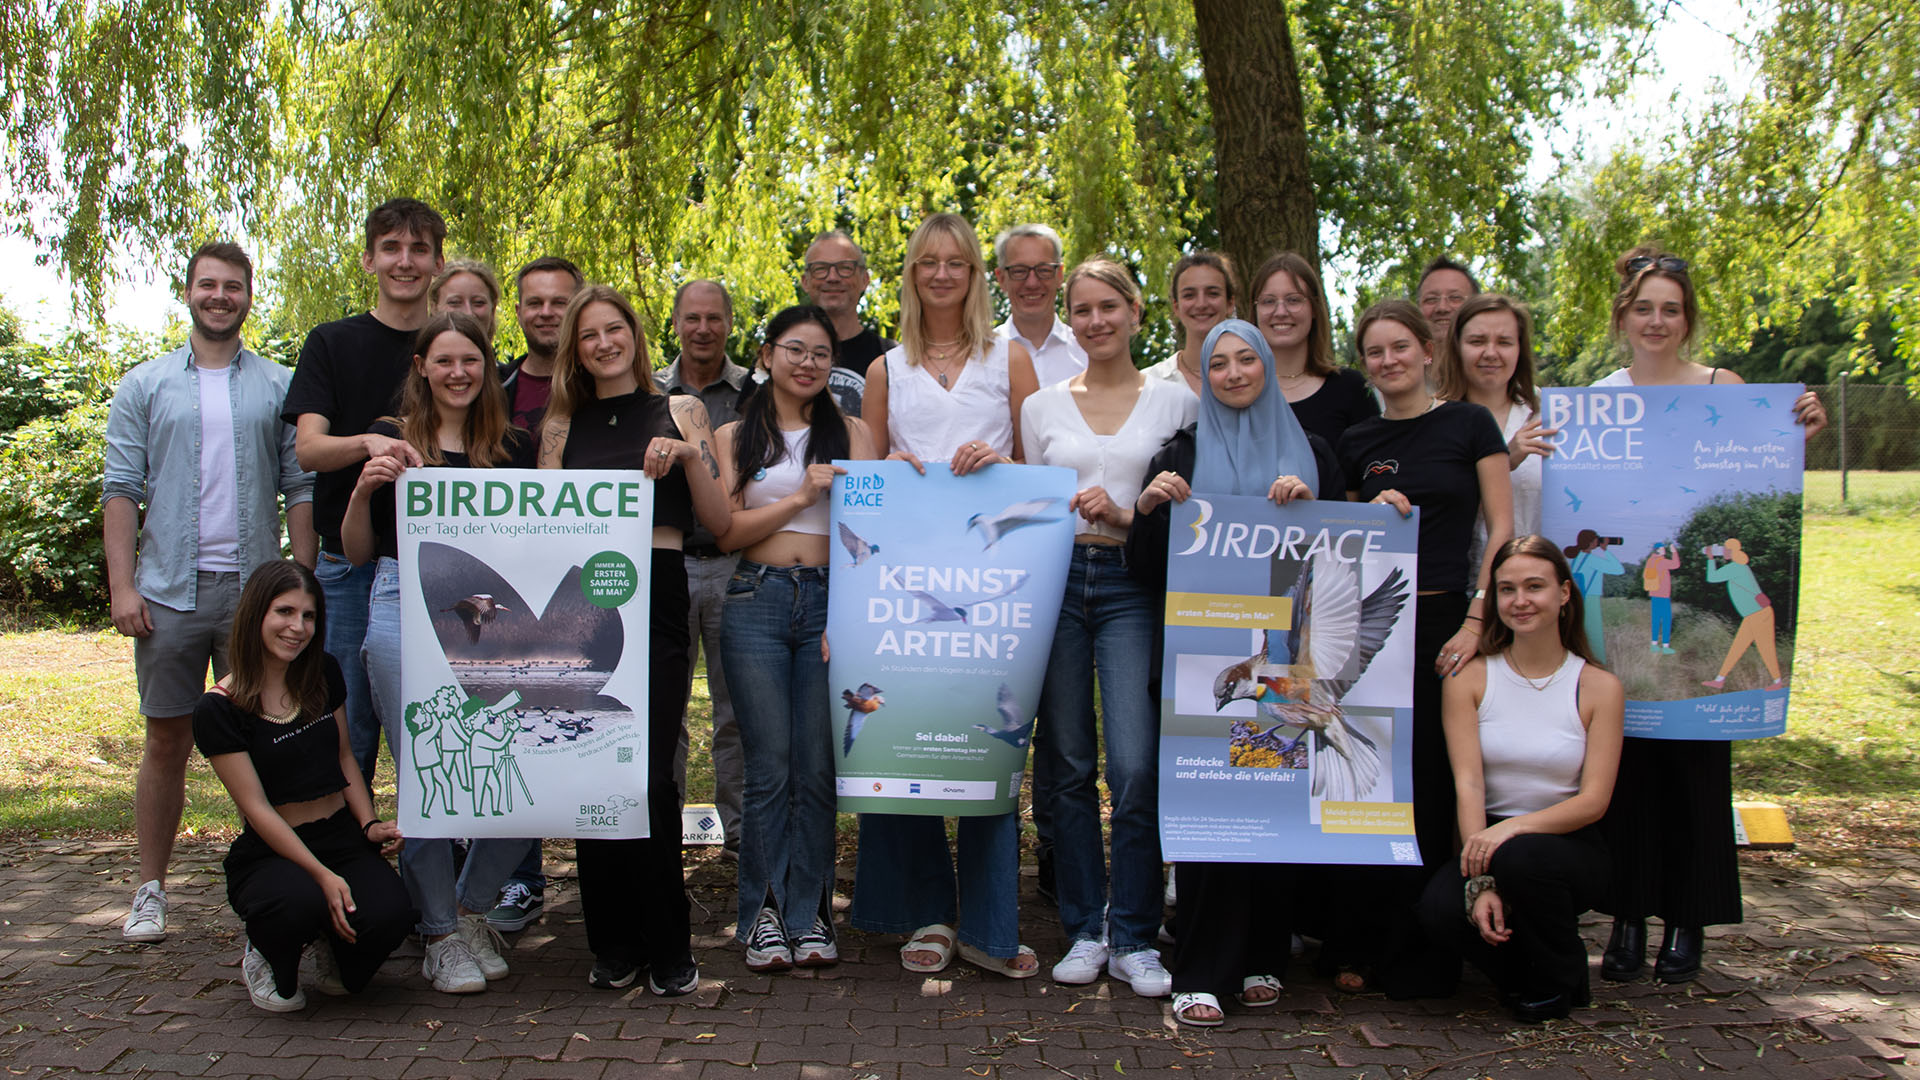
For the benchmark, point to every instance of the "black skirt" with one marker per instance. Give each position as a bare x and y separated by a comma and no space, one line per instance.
1670,831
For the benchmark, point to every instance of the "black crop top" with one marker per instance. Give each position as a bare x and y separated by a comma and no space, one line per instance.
296,761
613,433
1433,459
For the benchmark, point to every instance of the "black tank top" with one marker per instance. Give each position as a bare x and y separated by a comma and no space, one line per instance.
613,433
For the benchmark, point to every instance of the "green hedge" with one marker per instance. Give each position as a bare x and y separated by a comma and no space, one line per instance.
51,554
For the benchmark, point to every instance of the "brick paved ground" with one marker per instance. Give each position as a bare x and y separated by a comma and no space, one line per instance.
1822,981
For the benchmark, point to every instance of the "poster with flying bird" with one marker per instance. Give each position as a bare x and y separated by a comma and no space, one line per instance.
945,591
523,666
1287,685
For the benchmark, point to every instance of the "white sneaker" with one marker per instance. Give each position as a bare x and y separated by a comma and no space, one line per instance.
484,942
816,948
1082,963
767,947
1142,969
450,966
326,969
148,919
259,976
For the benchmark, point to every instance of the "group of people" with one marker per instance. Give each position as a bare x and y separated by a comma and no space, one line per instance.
1520,820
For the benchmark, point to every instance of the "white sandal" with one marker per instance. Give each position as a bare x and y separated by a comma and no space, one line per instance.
1184,1003
1252,982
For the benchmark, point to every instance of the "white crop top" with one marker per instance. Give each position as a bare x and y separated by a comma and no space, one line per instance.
930,421
1054,432
1532,744
783,478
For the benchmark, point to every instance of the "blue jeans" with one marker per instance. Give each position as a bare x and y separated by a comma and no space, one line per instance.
426,865
904,880
1660,612
346,588
770,640
1106,625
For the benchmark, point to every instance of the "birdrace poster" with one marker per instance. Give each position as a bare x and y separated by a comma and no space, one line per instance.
523,614
945,590
1286,730
1679,508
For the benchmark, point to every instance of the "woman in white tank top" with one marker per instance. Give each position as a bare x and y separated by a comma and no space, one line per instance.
777,463
1533,730
948,392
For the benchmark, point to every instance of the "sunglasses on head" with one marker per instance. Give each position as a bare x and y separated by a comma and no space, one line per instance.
1668,263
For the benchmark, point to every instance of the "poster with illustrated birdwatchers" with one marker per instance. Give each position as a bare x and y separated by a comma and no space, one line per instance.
523,615
943,595
1679,508
1286,711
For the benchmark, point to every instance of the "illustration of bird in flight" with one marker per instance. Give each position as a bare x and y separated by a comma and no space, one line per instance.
477,611
1020,515
859,549
1013,729
860,704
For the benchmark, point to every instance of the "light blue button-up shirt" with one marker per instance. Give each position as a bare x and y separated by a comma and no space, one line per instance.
153,458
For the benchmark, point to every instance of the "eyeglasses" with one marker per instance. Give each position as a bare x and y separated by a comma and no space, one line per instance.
844,268
1042,272
799,355
930,265
1668,263
1291,301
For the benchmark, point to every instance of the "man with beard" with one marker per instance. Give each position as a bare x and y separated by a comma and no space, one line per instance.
544,287
195,438
834,279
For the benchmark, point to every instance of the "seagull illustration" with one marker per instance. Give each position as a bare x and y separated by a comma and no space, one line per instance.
1572,499
476,611
937,611
995,527
1688,490
1713,416
856,547
1674,405
1012,730
859,703
1761,402
1299,680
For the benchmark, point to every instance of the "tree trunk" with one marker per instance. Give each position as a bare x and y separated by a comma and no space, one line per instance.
1259,133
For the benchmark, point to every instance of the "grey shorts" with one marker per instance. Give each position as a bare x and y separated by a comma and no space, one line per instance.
170,664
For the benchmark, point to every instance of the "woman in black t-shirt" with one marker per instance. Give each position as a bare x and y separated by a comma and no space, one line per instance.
308,865
1290,307
606,414
453,413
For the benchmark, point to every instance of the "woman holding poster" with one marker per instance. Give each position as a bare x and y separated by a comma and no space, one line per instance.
950,391
606,414
453,413
1105,424
778,458
1231,929
1670,826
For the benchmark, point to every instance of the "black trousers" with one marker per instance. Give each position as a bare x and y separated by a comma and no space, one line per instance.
1670,832
633,893
284,908
1546,883
1233,920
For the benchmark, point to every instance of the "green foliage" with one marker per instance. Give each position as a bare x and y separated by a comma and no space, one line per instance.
1768,528
50,544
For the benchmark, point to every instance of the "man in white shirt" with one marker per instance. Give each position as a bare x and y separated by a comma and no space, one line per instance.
1030,265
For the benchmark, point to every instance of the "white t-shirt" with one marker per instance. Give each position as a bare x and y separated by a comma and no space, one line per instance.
1056,357
1054,432
1526,489
1168,370
930,421
219,487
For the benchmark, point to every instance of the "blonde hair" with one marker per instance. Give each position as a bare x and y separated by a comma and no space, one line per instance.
571,383
976,313
1108,273
464,266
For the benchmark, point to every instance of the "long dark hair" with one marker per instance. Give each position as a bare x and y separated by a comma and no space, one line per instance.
759,443
1320,340
1496,635
484,434
307,675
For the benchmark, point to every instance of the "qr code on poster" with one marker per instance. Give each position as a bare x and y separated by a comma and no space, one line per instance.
1405,851
623,755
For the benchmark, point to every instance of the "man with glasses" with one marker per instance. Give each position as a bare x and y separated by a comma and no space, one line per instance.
1030,264
834,279
703,319
1445,284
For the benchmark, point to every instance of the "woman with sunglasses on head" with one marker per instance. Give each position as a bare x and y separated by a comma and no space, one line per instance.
1670,827
453,412
307,867
1290,307
1233,925
1489,362
605,413
777,460
1202,291
950,391
1448,459
1105,424
1533,730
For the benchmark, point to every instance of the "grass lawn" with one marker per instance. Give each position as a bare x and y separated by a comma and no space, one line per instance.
70,736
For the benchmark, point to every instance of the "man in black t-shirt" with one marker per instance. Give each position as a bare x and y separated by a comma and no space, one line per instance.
543,288
348,375
835,279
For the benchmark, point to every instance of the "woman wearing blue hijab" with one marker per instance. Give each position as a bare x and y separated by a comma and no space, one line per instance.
1232,928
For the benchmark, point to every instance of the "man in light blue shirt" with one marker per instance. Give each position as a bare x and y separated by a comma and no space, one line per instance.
195,440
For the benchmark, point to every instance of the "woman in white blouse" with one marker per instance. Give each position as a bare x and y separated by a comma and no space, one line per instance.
1105,423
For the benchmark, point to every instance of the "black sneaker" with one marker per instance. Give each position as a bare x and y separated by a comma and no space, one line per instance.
678,982
612,975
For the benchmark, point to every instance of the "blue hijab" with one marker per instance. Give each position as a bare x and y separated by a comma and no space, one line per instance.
1242,451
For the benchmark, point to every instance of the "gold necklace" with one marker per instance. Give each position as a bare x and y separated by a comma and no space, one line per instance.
946,368
1524,677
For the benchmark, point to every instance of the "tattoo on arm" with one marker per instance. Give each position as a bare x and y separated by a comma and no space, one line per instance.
553,443
706,455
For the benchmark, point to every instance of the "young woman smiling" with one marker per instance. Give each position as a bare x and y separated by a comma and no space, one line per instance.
470,288
1290,307
1489,362
1202,290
